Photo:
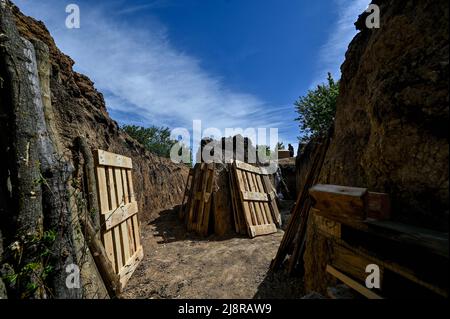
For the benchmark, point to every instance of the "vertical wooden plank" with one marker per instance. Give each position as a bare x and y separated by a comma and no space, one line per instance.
273,204
184,203
137,233
252,204
130,186
201,210
131,243
207,208
104,208
125,241
190,219
119,186
112,189
233,187
125,186
247,205
102,190
248,216
118,248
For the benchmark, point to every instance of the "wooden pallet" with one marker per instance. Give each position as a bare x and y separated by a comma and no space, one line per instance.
255,209
118,207
198,208
187,193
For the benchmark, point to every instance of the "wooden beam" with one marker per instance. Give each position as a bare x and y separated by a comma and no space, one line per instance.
394,267
117,216
352,283
248,168
114,160
436,242
339,203
262,230
353,264
256,197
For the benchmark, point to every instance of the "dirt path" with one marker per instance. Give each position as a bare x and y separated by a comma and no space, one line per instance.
181,265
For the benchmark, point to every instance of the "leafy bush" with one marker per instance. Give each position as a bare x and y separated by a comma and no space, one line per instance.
317,109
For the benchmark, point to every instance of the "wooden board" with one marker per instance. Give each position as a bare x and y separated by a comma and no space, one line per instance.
352,264
119,209
394,267
200,199
114,160
352,283
254,202
436,242
187,194
346,205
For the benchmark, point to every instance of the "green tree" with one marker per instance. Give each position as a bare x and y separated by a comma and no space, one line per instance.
280,146
317,109
155,139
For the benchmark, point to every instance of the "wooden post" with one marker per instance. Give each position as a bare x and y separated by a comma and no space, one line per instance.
104,266
94,209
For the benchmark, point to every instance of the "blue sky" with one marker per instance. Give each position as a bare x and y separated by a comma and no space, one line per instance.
229,63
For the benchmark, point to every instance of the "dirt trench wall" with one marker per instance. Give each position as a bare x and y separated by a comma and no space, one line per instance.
67,107
80,110
391,122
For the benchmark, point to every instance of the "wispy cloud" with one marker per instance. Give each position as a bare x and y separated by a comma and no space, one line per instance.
332,53
148,5
145,78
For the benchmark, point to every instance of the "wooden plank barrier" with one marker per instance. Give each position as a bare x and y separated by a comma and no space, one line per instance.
120,231
197,210
254,200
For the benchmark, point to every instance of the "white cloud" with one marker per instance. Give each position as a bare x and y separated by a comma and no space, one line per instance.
332,53
145,78
141,72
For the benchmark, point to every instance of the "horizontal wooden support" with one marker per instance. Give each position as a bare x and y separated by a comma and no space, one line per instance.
250,168
394,267
353,264
114,160
255,197
339,203
117,216
352,283
433,241
127,271
261,230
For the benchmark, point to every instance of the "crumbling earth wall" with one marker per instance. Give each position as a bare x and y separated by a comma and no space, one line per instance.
391,123
80,110
66,106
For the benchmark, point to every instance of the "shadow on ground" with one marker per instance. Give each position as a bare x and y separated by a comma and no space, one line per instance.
169,228
279,285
